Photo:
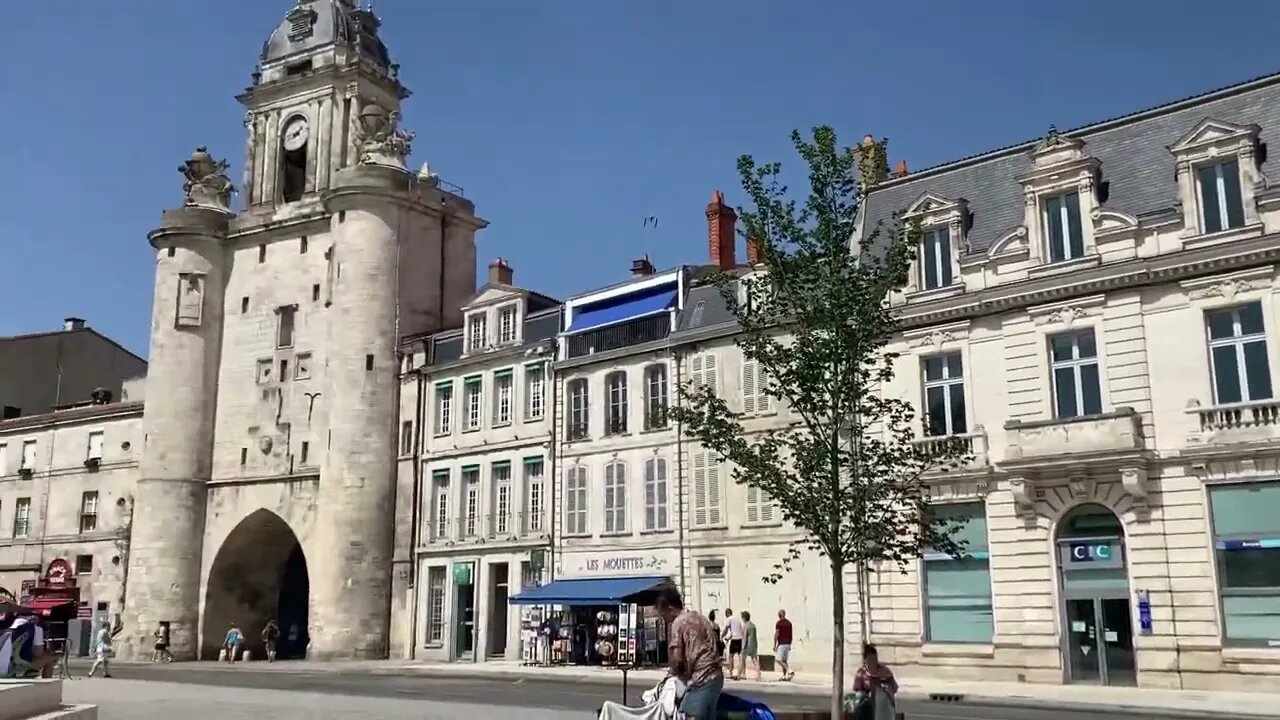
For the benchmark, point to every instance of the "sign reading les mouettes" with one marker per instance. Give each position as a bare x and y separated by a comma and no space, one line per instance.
635,562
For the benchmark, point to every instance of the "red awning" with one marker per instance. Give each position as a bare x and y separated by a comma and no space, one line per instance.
46,605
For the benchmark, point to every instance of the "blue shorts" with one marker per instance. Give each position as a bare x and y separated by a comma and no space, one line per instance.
700,702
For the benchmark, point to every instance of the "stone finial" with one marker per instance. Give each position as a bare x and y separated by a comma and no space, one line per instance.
380,138
207,183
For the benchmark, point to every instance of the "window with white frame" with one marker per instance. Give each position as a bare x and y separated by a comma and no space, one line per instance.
535,391
615,497
957,590
28,455
655,495
759,506
534,495
22,517
706,490
436,577
471,500
501,472
935,258
575,500
477,331
94,450
440,504
444,408
1062,229
1218,193
702,372
615,384
507,324
88,511
944,395
578,407
755,394
655,397
503,397
1238,354
1077,389
472,389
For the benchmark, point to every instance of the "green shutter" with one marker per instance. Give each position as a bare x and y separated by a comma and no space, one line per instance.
440,474
504,372
535,460
473,379
502,464
445,383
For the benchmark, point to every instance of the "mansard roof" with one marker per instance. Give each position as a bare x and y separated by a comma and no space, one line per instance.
1136,163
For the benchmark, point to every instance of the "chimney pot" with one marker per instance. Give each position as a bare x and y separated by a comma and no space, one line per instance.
73,323
501,273
721,232
641,267
902,169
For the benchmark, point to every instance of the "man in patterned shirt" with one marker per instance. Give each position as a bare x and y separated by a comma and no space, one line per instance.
691,649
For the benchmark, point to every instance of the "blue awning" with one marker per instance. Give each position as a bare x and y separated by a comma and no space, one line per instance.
589,591
623,308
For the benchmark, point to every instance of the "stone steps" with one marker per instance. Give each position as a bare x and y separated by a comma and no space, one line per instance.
39,700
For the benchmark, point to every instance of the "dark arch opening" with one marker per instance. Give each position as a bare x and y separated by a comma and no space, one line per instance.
1088,521
259,574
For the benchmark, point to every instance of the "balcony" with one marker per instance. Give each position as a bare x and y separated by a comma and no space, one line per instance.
973,445
1238,423
622,335
491,528
1075,440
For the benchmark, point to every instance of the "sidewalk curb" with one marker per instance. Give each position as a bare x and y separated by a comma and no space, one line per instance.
1027,702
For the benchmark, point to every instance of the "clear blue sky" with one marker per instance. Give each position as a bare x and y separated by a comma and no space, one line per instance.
567,121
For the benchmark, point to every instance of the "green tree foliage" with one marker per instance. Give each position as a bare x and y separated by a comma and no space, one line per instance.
847,469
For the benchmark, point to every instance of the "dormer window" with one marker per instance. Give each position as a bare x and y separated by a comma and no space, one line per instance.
942,223
477,331
1218,177
1218,193
1062,229
507,324
935,262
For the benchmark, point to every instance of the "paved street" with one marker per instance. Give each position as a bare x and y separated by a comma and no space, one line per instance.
240,692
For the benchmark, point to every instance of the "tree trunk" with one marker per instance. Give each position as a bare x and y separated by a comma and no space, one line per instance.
864,601
837,641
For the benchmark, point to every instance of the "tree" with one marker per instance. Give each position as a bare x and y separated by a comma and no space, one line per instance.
847,470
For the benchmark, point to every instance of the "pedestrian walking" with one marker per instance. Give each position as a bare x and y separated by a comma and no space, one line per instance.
733,636
782,636
750,647
102,651
271,638
162,653
232,643
719,637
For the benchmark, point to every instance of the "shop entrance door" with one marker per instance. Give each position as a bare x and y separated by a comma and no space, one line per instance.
1097,622
712,594
464,611
498,610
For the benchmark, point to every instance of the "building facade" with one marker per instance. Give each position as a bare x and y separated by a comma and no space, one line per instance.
1094,314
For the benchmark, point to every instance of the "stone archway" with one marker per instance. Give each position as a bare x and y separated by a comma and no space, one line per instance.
259,573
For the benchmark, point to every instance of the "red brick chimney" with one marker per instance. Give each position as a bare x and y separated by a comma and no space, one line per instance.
721,234
755,251
500,272
902,169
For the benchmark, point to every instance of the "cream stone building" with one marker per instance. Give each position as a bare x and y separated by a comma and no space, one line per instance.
482,509
1094,313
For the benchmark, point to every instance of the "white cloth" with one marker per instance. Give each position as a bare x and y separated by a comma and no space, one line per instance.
886,708
735,628
660,703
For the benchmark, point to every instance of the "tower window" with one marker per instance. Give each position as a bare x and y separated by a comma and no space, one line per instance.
302,245
262,253
368,363
171,251
293,163
315,292
244,304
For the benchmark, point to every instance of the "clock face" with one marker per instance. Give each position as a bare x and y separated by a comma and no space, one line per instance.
296,132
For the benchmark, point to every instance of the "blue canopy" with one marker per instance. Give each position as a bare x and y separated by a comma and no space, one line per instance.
589,591
623,308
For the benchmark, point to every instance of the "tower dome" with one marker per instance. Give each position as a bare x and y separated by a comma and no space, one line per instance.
314,24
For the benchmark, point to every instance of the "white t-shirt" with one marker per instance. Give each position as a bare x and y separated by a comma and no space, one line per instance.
735,628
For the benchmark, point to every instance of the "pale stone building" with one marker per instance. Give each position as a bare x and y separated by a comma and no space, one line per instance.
1094,313
479,519
267,482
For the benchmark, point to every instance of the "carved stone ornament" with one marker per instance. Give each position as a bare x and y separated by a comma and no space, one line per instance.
1134,481
264,443
380,139
1023,496
207,183
1081,488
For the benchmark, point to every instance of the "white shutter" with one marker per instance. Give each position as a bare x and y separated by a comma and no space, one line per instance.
709,373
766,507
764,403
713,494
749,405
696,371
753,504
700,488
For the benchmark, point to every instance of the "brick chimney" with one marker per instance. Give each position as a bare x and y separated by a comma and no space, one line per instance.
500,272
902,169
721,234
755,251
641,267
73,323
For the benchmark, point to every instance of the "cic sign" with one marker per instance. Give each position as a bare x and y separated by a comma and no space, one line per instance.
1093,553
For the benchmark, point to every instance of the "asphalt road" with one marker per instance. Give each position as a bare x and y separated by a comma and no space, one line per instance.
552,694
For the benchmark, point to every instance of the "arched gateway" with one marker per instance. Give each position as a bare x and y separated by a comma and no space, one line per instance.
1097,622
259,574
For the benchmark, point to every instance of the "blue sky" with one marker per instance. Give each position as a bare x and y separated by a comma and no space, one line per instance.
567,121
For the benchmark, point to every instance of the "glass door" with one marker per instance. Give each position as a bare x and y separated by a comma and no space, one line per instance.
1117,641
1084,659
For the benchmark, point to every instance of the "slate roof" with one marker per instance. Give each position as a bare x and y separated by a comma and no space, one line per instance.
1137,167
538,326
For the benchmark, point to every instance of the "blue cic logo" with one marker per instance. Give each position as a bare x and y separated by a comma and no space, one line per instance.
1086,552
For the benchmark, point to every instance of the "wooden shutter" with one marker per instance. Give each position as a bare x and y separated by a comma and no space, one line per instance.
709,372
753,504
764,403
713,493
749,388
700,508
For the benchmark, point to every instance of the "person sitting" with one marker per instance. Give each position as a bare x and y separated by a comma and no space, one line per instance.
30,657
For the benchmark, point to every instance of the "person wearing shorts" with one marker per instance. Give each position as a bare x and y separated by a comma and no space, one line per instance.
733,635
782,636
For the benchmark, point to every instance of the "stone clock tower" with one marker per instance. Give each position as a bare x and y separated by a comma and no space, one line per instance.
268,483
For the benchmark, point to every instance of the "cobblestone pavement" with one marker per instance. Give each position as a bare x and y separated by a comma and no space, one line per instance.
147,700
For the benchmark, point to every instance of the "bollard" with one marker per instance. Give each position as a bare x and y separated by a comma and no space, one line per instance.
247,656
